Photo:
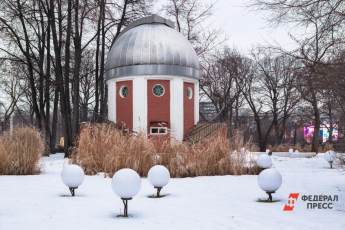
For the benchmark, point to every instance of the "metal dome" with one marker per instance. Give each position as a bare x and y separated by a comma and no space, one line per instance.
151,46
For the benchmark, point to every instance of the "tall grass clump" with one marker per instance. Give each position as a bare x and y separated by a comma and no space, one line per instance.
103,148
20,151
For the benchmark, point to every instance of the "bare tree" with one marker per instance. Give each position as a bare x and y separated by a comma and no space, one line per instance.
278,80
191,18
324,22
11,92
49,39
222,84
87,85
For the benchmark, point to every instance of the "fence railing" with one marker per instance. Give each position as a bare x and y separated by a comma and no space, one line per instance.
203,130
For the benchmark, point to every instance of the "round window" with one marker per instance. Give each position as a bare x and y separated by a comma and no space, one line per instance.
189,93
123,91
158,90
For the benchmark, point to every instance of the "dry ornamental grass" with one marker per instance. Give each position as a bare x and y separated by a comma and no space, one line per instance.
102,148
20,152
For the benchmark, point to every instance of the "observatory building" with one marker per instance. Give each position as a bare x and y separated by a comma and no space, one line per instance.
153,79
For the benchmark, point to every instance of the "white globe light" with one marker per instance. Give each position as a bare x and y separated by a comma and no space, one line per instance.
290,150
126,183
270,180
330,156
72,175
264,161
158,176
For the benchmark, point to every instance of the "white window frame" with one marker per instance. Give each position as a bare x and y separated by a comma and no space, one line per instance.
159,129
153,90
120,91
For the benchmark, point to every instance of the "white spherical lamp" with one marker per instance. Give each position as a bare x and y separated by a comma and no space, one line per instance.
269,152
126,184
264,161
72,176
290,150
159,177
330,156
270,181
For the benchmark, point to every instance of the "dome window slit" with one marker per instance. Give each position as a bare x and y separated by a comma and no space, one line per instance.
189,93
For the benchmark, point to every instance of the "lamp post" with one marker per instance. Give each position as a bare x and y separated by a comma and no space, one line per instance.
330,157
270,180
72,176
264,161
126,184
159,177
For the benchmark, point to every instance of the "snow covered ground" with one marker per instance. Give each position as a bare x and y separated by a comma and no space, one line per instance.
224,202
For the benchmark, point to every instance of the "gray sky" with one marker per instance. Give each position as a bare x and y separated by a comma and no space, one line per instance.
246,28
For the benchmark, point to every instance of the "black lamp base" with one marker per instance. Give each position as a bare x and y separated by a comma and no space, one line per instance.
125,204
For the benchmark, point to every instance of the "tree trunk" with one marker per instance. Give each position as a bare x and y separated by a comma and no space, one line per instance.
103,99
54,120
230,119
76,73
61,84
30,66
65,100
316,134
96,108
261,139
47,90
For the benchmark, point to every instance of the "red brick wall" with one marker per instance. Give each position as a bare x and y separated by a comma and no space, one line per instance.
158,107
188,108
124,106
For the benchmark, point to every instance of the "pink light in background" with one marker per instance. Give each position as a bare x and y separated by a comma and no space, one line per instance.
324,133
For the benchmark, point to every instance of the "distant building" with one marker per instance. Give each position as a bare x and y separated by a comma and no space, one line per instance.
153,79
208,111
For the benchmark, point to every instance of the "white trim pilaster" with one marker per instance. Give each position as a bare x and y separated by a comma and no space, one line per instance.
196,102
140,105
112,100
176,108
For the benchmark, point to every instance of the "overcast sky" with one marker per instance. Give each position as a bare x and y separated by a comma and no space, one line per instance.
246,28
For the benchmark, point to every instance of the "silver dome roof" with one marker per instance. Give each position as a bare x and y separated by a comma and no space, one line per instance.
151,46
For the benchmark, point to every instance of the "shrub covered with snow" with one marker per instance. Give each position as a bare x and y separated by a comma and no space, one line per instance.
270,180
264,161
126,183
72,175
